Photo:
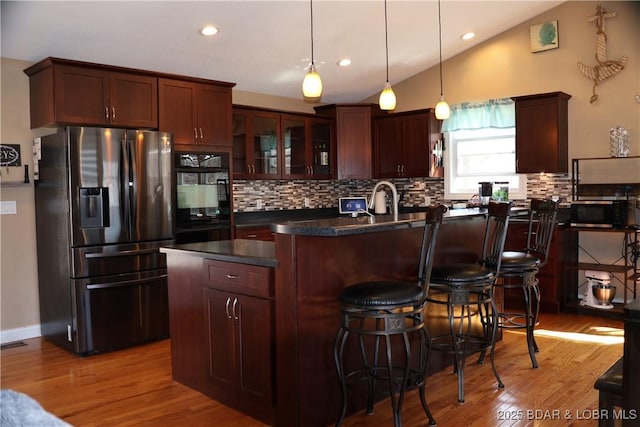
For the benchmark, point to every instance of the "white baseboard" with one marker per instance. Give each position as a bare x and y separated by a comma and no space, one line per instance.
17,334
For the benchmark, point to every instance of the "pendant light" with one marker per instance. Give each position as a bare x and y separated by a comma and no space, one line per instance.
312,84
387,97
442,108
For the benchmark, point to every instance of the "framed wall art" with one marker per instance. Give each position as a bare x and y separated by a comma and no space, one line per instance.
544,36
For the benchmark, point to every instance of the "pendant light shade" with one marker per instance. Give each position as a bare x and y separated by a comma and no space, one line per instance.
387,99
312,83
442,108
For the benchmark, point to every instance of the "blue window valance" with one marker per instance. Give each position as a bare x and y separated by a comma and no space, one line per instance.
493,113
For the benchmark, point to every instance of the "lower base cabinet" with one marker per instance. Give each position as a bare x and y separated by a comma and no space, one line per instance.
239,329
223,331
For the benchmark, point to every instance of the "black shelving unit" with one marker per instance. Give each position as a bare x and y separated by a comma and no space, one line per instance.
626,266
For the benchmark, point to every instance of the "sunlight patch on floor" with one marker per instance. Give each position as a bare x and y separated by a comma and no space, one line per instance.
596,335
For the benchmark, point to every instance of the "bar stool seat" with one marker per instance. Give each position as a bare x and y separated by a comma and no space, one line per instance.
378,311
466,290
382,294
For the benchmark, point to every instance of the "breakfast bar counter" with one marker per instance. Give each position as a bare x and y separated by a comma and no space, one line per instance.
316,260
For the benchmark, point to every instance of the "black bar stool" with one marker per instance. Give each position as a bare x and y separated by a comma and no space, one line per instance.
383,309
519,270
466,290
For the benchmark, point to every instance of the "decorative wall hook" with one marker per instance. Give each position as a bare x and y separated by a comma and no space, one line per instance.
604,68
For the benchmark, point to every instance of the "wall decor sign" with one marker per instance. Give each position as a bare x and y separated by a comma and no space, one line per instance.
10,155
544,36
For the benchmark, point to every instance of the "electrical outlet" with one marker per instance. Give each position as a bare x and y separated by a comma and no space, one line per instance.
307,202
259,204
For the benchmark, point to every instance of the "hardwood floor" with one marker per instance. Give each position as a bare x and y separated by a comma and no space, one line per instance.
133,387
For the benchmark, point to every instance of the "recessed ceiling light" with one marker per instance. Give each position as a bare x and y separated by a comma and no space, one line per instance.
209,30
468,36
344,62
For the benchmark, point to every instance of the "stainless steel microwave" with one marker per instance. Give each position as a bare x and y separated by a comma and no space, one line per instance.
599,213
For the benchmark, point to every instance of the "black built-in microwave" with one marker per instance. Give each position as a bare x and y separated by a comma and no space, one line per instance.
599,213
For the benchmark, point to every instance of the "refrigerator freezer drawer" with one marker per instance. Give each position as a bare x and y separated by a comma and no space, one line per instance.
117,259
117,312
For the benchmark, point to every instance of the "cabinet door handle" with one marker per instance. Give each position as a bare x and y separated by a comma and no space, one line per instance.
397,169
106,113
201,134
232,276
235,311
195,133
226,308
402,169
113,113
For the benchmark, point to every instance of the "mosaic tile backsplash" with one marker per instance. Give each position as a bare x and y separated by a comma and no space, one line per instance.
267,195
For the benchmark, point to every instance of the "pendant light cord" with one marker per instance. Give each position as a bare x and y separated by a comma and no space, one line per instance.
386,38
311,3
440,43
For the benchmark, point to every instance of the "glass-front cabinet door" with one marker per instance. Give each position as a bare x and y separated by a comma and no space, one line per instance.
322,148
264,145
255,144
294,142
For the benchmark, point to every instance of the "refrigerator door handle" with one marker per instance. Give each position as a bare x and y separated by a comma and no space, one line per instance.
133,184
124,185
124,283
120,253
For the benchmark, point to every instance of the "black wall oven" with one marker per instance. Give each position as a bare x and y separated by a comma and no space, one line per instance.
203,197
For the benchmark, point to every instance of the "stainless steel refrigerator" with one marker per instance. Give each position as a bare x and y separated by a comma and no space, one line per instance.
103,209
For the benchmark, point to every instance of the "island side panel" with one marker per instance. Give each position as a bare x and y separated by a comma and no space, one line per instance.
188,338
312,272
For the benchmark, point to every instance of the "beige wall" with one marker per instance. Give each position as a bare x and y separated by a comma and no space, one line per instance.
501,67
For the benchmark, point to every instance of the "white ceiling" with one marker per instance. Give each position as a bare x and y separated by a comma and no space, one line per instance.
263,46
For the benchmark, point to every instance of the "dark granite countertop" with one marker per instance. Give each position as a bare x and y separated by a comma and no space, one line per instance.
252,252
346,225
266,218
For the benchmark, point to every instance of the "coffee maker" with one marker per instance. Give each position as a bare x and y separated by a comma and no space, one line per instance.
485,191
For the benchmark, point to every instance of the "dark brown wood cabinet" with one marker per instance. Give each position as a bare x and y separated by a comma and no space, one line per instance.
403,144
354,133
542,133
238,303
270,144
64,92
196,113
255,233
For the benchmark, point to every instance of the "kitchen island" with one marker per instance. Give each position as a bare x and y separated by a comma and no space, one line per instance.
297,282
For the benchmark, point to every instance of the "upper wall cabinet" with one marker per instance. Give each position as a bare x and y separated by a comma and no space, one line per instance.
403,144
196,113
64,92
542,133
353,138
268,144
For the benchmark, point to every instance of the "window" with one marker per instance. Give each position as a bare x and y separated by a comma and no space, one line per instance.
486,154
